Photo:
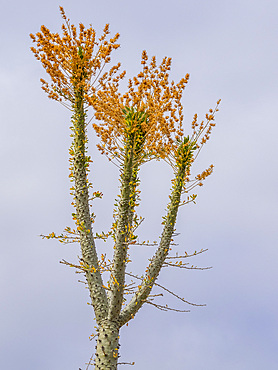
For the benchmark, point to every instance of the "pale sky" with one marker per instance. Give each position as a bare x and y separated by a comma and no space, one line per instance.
230,50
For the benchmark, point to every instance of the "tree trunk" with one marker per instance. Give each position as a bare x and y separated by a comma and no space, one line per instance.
107,346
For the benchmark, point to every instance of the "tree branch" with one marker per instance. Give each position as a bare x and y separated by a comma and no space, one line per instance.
183,156
158,259
125,212
83,217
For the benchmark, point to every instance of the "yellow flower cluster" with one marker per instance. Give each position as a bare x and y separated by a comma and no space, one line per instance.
150,94
71,61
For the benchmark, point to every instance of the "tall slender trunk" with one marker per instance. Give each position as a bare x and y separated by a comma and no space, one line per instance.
107,347
133,146
83,217
124,224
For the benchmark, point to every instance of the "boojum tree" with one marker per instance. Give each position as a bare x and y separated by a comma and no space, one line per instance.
143,124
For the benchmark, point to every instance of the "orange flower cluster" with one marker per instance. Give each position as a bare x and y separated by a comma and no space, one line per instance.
201,132
186,150
202,176
149,95
70,60
200,135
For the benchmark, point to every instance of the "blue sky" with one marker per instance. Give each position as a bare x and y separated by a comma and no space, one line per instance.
229,48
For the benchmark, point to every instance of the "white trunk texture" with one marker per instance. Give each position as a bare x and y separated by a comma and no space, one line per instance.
107,347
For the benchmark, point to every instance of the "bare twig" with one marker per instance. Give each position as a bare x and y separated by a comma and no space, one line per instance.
186,255
165,308
183,266
168,291
89,363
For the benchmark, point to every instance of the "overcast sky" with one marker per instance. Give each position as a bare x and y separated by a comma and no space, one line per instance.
230,50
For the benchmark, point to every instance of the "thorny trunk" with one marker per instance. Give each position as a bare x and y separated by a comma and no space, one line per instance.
123,229
107,347
125,216
83,218
106,356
